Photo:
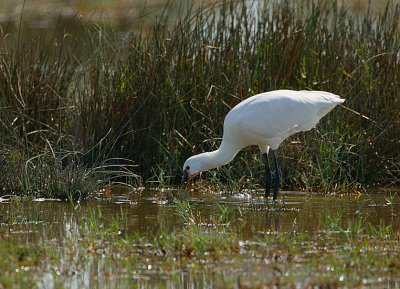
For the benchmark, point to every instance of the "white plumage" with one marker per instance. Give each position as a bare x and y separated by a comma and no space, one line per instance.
266,120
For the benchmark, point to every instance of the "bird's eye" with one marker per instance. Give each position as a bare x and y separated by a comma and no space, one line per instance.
187,168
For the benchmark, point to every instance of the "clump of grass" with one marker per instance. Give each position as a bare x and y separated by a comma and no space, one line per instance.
159,95
192,217
64,177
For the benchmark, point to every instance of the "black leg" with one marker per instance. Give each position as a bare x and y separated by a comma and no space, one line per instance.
268,175
277,175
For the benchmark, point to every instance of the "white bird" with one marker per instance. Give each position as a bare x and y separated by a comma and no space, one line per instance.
265,120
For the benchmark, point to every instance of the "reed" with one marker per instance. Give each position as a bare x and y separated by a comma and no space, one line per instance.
156,95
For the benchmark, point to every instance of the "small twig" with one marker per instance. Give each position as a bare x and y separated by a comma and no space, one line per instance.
357,113
51,148
216,87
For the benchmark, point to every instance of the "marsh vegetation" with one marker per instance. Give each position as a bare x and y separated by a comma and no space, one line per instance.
88,104
84,105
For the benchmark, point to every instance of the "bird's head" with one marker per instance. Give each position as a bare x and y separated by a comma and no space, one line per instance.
193,166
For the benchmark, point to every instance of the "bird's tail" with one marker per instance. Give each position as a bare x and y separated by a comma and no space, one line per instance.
329,97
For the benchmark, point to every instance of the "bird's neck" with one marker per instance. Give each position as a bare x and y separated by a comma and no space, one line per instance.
223,155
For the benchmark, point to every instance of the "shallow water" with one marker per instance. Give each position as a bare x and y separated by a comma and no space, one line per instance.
146,212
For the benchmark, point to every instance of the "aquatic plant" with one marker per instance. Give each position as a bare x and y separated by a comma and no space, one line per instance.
339,252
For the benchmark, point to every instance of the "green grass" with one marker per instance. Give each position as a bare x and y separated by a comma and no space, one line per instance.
85,97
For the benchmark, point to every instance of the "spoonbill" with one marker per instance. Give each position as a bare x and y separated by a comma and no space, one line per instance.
265,120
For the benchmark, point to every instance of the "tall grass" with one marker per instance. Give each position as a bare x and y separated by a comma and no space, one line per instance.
157,95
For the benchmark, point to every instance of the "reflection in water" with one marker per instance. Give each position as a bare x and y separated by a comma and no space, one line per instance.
273,220
145,215
142,213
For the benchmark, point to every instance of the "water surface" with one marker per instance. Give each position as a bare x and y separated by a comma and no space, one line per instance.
147,212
